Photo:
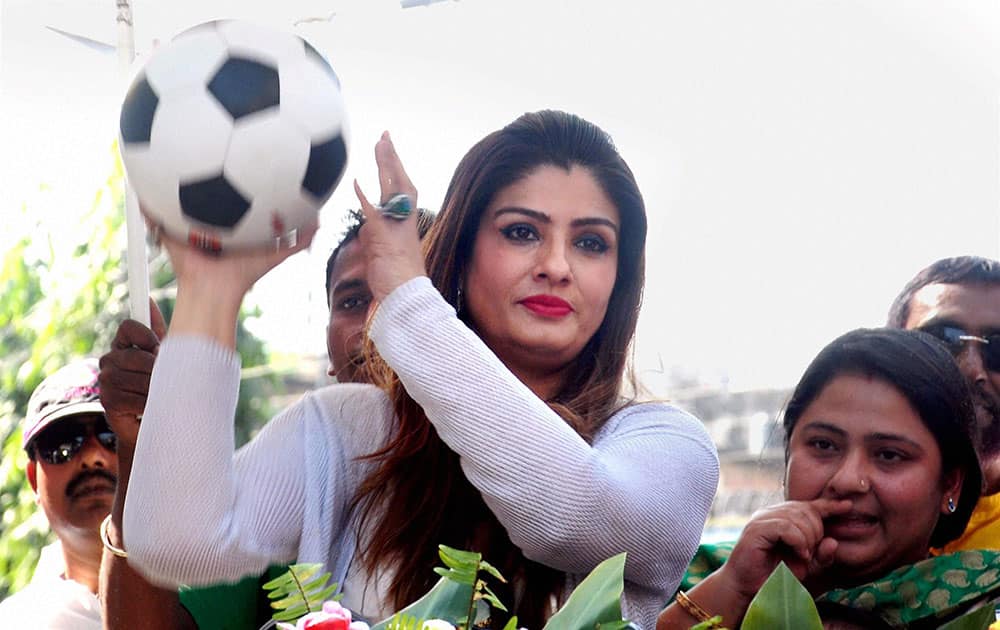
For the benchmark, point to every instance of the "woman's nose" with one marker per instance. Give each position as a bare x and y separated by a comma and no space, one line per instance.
553,264
851,477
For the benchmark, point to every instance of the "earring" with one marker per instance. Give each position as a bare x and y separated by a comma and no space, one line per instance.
951,505
458,300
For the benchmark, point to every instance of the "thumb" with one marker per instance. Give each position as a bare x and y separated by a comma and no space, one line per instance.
156,321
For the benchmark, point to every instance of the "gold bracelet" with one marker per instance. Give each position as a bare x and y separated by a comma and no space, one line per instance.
118,551
692,608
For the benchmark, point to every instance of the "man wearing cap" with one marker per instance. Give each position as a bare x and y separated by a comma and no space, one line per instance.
72,468
958,301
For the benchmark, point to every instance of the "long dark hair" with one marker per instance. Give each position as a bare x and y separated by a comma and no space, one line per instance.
920,368
417,496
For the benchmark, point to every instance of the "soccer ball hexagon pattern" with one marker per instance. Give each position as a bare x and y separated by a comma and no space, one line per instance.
234,135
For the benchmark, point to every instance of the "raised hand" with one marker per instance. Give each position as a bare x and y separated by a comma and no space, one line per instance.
791,532
125,372
392,247
210,288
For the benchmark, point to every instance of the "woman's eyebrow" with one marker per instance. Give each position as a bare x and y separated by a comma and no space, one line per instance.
824,426
534,214
892,437
595,221
544,218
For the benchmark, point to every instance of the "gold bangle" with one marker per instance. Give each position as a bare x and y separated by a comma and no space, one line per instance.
692,608
118,551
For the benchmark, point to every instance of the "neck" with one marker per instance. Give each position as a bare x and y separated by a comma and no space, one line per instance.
83,561
544,384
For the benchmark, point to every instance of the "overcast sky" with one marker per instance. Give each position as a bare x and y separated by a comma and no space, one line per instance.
800,160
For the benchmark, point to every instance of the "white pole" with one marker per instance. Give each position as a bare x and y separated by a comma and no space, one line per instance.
135,229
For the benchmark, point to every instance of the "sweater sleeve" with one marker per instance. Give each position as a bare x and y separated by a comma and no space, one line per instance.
195,513
644,486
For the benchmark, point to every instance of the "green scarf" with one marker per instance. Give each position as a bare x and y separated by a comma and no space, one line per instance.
919,595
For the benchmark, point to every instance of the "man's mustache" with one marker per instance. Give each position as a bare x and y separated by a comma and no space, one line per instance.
89,475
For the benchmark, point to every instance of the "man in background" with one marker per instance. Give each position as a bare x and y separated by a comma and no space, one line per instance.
348,298
72,468
958,301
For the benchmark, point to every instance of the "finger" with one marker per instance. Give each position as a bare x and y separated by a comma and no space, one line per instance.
271,259
391,174
809,519
825,552
831,507
157,323
131,333
127,369
367,209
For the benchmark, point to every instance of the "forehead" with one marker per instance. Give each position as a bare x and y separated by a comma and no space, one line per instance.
557,192
862,405
349,263
975,307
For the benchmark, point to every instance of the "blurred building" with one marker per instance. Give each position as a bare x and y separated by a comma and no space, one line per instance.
744,426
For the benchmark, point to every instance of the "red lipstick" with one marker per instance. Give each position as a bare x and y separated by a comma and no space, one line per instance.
547,306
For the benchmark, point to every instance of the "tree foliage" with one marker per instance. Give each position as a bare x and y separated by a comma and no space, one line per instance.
62,295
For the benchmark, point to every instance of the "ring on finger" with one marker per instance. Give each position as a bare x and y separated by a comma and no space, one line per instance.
398,207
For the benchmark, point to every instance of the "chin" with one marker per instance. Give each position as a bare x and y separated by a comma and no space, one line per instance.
94,508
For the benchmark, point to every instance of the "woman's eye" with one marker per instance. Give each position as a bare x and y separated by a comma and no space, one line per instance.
891,456
821,444
520,232
592,243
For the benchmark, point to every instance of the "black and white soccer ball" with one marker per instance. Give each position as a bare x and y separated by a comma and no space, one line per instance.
234,135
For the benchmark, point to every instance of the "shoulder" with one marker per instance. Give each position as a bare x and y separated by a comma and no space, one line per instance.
55,603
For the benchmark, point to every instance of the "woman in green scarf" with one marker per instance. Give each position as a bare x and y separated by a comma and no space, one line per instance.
880,467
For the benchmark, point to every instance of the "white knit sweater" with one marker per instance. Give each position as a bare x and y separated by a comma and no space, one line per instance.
197,514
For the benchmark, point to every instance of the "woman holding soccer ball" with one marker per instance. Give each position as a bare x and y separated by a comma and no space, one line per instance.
500,423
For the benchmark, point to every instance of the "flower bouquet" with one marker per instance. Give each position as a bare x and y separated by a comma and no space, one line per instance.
460,600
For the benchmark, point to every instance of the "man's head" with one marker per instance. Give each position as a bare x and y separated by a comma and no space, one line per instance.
958,301
348,298
73,466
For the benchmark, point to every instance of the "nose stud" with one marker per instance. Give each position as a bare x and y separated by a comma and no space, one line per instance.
864,484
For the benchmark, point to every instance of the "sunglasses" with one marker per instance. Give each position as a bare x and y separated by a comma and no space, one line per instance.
956,338
61,442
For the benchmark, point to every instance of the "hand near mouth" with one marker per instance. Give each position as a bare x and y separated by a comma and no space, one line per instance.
792,532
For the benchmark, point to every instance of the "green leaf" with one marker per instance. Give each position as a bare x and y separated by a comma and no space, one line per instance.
782,603
448,600
492,598
489,568
300,590
978,619
511,623
597,599
463,575
458,559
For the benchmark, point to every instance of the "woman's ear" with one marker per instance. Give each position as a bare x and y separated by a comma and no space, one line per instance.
952,490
